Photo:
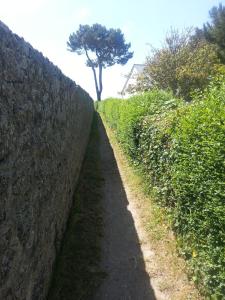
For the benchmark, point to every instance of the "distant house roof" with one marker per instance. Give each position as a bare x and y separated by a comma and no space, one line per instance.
136,69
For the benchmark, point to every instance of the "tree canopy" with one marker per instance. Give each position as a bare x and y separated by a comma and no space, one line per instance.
103,48
182,65
214,32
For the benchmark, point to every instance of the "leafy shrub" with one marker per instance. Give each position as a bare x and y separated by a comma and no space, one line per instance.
183,63
180,148
198,181
125,116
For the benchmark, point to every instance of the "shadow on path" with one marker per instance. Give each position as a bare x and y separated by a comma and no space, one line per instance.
122,257
76,272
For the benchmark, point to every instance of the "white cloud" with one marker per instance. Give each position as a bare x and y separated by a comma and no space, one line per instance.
21,8
128,28
82,14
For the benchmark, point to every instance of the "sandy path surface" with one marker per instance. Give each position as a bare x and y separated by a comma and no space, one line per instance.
123,259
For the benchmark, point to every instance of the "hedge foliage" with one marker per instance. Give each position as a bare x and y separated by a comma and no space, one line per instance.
180,148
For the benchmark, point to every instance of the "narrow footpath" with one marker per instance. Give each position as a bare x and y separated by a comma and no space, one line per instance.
141,262
108,251
122,257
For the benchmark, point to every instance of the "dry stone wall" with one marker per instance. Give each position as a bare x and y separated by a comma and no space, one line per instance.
45,120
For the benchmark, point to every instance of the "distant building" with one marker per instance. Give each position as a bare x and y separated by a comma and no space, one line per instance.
131,78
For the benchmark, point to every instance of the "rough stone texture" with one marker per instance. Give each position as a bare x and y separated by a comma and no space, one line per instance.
45,120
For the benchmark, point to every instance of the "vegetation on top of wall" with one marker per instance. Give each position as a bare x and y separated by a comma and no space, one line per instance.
180,148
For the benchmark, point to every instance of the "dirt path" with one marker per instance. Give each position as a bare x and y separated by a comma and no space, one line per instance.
138,252
122,254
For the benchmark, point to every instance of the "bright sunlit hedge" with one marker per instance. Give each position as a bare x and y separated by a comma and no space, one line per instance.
180,148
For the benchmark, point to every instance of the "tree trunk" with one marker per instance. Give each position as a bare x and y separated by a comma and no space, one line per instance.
98,93
98,86
98,96
100,81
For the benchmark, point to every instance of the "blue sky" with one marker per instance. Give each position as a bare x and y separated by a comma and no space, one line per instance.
46,25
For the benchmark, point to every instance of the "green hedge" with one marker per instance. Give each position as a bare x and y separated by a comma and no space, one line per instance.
180,148
125,115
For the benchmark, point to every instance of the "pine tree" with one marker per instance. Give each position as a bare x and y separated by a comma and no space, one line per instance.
214,32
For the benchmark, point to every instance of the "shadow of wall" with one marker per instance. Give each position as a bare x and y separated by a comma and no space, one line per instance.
122,257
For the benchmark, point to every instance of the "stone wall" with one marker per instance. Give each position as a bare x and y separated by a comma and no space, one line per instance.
45,120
